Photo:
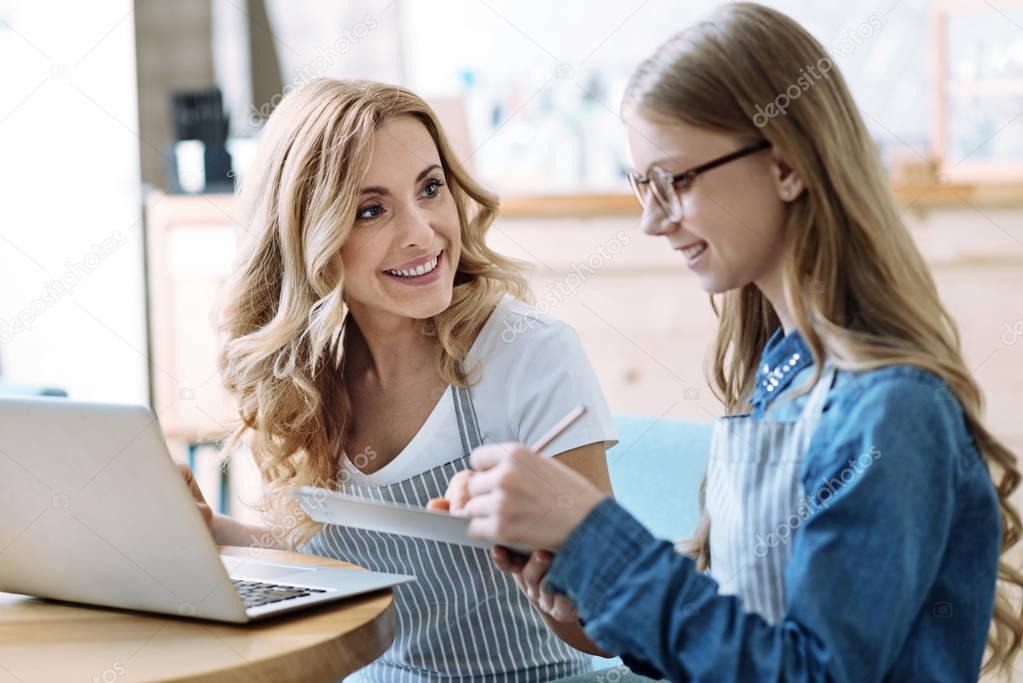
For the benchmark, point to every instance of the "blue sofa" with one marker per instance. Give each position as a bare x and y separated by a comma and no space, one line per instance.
656,469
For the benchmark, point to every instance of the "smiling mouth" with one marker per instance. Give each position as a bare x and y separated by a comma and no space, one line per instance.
425,267
694,250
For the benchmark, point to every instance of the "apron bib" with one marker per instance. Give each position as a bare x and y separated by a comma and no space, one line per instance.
462,618
755,499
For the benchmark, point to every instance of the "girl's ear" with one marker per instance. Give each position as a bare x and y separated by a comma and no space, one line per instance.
786,179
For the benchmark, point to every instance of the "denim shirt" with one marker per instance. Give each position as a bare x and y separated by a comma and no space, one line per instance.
891,579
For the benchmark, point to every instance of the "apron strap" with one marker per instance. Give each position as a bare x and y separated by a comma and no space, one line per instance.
468,424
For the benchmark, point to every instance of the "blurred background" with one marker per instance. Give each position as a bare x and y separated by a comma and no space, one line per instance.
125,128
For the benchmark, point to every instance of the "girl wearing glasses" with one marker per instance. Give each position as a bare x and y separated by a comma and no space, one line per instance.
851,527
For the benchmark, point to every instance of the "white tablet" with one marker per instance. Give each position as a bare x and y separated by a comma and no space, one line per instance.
331,507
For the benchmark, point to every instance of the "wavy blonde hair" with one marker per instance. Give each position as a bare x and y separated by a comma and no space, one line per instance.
282,318
878,305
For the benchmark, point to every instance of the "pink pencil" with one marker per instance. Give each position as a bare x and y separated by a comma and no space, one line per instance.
557,429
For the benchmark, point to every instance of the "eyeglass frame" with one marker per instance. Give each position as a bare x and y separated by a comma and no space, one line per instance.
683,180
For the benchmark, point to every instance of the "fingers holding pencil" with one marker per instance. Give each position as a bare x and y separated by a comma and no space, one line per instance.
458,492
525,500
519,498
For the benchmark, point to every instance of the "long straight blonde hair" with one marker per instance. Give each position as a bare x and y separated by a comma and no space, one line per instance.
282,316
852,267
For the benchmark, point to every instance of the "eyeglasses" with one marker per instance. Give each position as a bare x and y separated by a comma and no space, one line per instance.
667,188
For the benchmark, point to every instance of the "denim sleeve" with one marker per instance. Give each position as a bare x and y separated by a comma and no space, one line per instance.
861,567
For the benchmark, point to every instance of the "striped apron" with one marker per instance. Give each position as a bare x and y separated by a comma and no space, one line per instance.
756,502
462,619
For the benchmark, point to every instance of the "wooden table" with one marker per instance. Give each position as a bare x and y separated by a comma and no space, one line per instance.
49,641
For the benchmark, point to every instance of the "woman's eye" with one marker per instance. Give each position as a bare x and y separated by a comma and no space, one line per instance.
432,188
369,212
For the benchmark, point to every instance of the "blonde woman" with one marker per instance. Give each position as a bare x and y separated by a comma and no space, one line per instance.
853,527
367,344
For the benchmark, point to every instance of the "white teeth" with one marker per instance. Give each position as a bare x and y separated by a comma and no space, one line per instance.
421,269
693,252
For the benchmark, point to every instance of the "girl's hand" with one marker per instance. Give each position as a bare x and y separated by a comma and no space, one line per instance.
529,573
455,497
518,498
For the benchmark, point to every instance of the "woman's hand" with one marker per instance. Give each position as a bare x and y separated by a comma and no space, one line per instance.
228,531
455,497
200,501
518,498
529,573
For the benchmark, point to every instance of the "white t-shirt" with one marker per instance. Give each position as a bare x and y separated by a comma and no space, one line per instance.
530,370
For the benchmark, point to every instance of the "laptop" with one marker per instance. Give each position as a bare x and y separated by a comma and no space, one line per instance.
94,510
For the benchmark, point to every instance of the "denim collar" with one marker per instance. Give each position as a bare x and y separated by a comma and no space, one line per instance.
783,357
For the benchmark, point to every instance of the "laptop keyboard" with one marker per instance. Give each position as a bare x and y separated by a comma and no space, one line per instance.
257,593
